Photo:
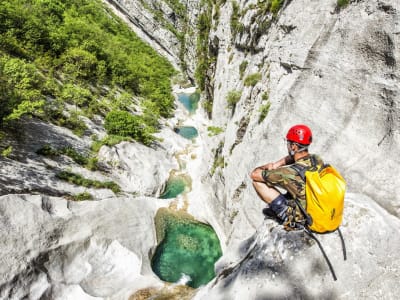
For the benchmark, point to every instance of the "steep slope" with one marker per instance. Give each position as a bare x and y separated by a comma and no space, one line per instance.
275,264
335,69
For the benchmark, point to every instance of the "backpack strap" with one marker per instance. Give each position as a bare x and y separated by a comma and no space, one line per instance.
301,170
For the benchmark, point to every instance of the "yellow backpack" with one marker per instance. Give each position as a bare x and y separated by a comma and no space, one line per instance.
325,189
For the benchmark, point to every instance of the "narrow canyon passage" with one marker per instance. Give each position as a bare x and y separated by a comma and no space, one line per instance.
187,249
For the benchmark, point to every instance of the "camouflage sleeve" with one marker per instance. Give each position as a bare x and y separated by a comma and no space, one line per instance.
279,177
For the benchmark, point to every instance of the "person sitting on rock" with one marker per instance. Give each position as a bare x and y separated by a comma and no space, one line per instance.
270,178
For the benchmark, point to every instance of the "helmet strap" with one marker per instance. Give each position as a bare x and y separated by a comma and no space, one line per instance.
301,149
304,148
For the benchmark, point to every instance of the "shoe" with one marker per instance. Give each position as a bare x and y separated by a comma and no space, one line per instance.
279,207
268,212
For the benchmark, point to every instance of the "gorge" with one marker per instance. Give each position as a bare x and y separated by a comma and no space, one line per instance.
259,69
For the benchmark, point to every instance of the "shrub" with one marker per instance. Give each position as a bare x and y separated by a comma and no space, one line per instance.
122,123
235,23
78,42
109,140
79,63
342,3
89,162
207,106
6,152
252,79
82,196
233,98
75,94
276,6
242,68
82,181
73,122
20,85
264,109
213,130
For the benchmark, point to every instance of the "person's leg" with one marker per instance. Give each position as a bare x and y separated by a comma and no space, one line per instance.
266,193
273,198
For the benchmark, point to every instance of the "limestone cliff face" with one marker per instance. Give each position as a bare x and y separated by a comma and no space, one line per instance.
336,70
169,30
275,264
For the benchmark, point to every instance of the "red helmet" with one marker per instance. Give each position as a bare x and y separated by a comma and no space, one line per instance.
300,134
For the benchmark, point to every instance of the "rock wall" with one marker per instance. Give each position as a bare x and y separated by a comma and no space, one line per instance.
58,249
171,33
334,69
275,264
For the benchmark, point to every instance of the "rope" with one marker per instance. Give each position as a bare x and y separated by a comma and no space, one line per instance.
343,245
323,253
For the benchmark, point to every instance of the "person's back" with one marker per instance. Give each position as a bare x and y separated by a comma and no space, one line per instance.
270,179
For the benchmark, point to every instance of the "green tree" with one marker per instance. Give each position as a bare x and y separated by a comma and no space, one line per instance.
79,63
20,86
123,123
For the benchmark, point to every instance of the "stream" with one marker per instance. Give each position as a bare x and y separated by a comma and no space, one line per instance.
187,249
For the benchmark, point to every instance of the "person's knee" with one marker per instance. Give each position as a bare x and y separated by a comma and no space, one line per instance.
257,185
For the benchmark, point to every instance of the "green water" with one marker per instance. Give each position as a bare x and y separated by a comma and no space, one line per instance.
190,101
189,248
174,187
187,132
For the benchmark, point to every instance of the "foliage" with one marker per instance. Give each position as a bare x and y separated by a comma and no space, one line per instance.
73,122
123,123
236,25
6,152
242,68
26,108
214,130
219,160
82,181
207,106
264,109
252,79
276,6
109,141
90,162
57,51
233,98
82,196
20,88
203,27
75,94
342,3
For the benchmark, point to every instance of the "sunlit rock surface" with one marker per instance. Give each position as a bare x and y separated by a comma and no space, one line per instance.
138,168
276,264
52,247
335,70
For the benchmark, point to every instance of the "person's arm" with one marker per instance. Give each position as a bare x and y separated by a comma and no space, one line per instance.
279,163
256,174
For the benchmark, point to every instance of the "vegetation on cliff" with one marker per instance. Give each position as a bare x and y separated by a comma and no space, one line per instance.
58,54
